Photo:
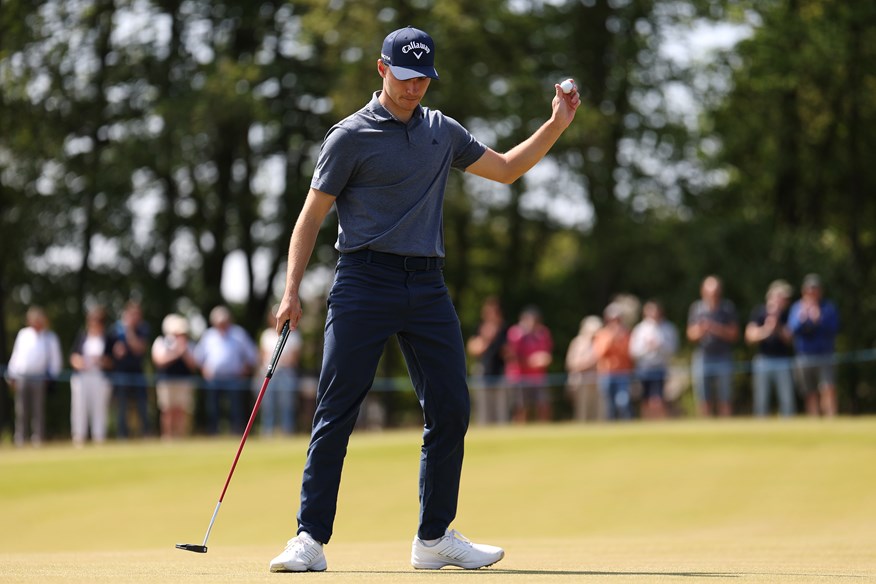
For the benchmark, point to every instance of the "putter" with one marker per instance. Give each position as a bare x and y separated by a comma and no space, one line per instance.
202,548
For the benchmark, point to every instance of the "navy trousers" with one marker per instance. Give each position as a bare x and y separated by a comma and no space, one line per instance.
369,302
131,387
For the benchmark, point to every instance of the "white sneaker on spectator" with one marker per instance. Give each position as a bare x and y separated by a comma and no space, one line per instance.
453,550
302,554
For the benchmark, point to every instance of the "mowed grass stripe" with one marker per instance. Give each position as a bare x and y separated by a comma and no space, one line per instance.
700,495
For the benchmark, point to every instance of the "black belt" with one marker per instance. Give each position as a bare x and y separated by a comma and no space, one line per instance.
408,263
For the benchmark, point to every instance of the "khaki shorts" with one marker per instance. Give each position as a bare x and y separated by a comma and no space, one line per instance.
176,394
814,372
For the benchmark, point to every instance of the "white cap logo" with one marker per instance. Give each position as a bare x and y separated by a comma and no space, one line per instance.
412,46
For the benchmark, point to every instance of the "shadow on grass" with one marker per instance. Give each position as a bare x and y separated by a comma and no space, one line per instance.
596,573
604,573
673,574
495,572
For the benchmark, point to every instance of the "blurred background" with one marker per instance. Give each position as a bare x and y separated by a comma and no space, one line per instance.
160,150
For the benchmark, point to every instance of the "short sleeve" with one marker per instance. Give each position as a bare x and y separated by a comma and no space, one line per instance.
336,162
467,149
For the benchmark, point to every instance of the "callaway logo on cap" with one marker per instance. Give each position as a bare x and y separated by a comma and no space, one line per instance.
410,53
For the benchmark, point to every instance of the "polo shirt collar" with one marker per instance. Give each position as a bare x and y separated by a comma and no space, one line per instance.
381,114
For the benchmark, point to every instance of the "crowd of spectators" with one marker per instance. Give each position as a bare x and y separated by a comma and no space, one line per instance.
108,363
623,363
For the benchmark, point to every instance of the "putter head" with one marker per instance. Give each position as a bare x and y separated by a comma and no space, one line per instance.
192,547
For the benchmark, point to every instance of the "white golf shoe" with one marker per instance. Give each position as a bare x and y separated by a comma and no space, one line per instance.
453,550
302,554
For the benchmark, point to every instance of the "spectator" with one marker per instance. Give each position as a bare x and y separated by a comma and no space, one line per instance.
6,407
130,343
35,360
90,388
278,403
630,306
711,324
814,323
175,384
768,329
491,394
527,357
581,369
653,343
226,356
614,365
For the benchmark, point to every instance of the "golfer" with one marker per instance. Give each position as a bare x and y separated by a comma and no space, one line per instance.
385,169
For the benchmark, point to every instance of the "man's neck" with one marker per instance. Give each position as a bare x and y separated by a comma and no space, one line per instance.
401,115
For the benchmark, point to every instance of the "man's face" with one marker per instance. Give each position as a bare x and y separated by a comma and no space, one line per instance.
711,290
38,321
403,95
529,321
777,302
132,316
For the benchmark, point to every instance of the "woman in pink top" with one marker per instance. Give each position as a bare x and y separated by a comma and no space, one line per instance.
527,357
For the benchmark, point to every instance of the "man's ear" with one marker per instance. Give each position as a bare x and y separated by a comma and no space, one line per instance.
381,67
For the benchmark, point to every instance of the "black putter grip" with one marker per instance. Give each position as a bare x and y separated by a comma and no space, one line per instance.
281,342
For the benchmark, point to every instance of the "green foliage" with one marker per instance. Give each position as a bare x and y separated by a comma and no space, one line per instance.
144,145
797,135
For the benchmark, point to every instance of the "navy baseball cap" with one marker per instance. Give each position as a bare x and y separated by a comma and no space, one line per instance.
409,52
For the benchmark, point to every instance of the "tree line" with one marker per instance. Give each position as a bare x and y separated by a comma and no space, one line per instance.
144,144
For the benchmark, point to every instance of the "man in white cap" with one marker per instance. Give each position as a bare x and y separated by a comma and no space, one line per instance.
385,169
175,366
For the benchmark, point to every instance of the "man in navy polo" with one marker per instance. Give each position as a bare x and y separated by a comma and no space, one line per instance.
385,169
814,324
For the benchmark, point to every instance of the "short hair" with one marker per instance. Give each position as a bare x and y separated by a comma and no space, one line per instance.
35,312
220,314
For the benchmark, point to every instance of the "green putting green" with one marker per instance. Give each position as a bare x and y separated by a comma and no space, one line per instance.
754,501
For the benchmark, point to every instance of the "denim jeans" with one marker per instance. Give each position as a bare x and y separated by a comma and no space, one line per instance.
368,304
768,372
131,386
278,404
234,391
615,389
712,377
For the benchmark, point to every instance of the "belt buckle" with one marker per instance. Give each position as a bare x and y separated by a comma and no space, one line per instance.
405,264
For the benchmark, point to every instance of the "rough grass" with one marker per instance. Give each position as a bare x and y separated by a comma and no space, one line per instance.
768,501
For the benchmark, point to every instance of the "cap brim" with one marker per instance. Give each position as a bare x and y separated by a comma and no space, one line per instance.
405,73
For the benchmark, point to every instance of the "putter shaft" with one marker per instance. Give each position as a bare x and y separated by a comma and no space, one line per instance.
281,342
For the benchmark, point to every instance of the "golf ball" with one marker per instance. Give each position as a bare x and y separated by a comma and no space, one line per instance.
567,85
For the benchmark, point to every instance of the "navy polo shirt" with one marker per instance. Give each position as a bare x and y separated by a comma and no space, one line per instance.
389,178
773,345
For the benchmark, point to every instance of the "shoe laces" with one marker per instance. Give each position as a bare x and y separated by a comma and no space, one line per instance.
299,542
458,537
